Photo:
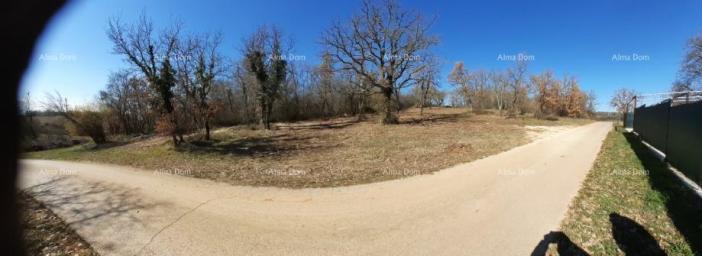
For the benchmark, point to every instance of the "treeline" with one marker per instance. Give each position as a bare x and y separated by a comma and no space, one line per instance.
178,83
377,61
193,87
515,92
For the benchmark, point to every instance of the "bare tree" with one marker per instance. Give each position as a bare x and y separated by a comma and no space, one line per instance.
480,81
499,87
516,77
152,56
427,83
185,99
622,100
459,77
28,115
126,98
692,62
209,66
681,86
357,92
54,102
325,79
591,103
86,122
302,93
384,44
244,83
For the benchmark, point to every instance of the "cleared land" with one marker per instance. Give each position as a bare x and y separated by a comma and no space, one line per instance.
498,205
631,204
325,153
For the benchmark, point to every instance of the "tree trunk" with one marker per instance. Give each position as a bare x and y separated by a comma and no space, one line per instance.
362,108
33,133
269,111
425,92
262,118
390,116
513,109
421,107
397,98
230,101
500,101
207,129
177,132
204,113
125,124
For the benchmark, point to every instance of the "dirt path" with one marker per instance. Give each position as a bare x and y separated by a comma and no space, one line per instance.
499,205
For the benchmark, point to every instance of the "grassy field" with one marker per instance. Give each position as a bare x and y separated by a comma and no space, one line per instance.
324,153
44,233
631,204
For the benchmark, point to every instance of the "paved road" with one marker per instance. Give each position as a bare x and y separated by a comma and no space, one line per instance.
499,205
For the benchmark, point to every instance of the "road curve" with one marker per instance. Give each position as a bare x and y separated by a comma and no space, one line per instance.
499,205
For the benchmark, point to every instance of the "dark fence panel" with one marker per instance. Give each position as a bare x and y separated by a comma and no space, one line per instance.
651,123
684,149
675,130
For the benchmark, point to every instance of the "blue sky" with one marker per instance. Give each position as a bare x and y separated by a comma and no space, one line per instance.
568,37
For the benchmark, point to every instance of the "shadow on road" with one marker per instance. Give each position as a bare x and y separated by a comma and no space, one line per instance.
565,246
632,238
683,206
88,203
94,206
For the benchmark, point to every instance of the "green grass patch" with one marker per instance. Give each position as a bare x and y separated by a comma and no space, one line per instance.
630,203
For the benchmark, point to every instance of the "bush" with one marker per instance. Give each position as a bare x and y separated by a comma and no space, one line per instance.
551,118
164,125
87,123
544,116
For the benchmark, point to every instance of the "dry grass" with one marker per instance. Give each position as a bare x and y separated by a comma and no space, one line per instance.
49,133
325,153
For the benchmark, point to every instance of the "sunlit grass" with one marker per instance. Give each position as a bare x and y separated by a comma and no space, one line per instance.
325,153
633,185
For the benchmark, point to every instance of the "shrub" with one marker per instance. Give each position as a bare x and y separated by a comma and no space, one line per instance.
164,125
87,123
551,118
